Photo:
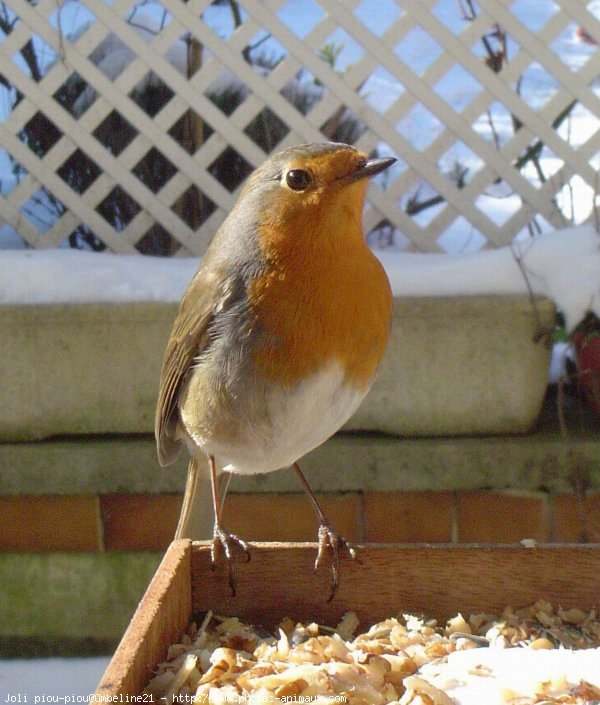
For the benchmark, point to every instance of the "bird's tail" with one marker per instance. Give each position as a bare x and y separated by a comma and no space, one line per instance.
197,517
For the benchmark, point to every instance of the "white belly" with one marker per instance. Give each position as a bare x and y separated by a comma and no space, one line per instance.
292,427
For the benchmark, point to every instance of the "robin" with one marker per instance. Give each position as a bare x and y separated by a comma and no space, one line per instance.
278,336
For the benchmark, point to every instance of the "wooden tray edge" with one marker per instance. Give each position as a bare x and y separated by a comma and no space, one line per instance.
160,618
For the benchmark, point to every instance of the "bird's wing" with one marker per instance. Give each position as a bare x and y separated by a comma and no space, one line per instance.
189,337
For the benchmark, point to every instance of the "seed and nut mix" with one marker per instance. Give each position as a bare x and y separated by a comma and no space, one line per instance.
224,660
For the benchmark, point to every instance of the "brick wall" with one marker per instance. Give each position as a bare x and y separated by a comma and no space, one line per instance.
146,522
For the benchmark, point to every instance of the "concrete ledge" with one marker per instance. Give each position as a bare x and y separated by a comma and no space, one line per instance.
347,462
454,366
461,366
87,368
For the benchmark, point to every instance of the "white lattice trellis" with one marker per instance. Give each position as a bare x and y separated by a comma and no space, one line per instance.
110,139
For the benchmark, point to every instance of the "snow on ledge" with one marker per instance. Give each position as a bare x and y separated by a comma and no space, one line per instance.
75,276
563,266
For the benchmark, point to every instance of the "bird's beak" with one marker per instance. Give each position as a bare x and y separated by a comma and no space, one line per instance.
369,169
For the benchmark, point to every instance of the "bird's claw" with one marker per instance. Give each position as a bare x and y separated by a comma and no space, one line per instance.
226,541
330,542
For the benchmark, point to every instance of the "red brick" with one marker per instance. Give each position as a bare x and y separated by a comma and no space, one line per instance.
139,522
573,522
409,517
494,517
289,517
49,523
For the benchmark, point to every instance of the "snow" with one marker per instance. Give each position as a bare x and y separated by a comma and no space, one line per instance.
58,677
562,265
75,276
562,352
493,676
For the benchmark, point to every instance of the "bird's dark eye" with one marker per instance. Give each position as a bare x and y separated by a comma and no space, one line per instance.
297,179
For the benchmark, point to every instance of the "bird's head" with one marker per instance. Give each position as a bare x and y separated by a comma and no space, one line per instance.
311,184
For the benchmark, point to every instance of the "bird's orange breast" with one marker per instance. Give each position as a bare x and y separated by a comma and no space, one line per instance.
323,296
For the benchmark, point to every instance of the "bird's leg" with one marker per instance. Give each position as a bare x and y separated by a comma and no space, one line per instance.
329,539
221,537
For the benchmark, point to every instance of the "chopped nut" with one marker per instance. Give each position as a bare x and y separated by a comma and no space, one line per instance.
180,678
176,650
313,629
287,626
437,650
541,643
347,626
457,624
291,688
421,687
372,646
401,666
378,666
223,660
573,616
586,691
481,670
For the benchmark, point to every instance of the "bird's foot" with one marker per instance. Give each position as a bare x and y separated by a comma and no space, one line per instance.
331,543
227,542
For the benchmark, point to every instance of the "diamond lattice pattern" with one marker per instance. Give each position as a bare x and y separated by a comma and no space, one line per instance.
132,126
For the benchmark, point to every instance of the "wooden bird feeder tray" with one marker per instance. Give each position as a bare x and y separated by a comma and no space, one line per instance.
435,580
